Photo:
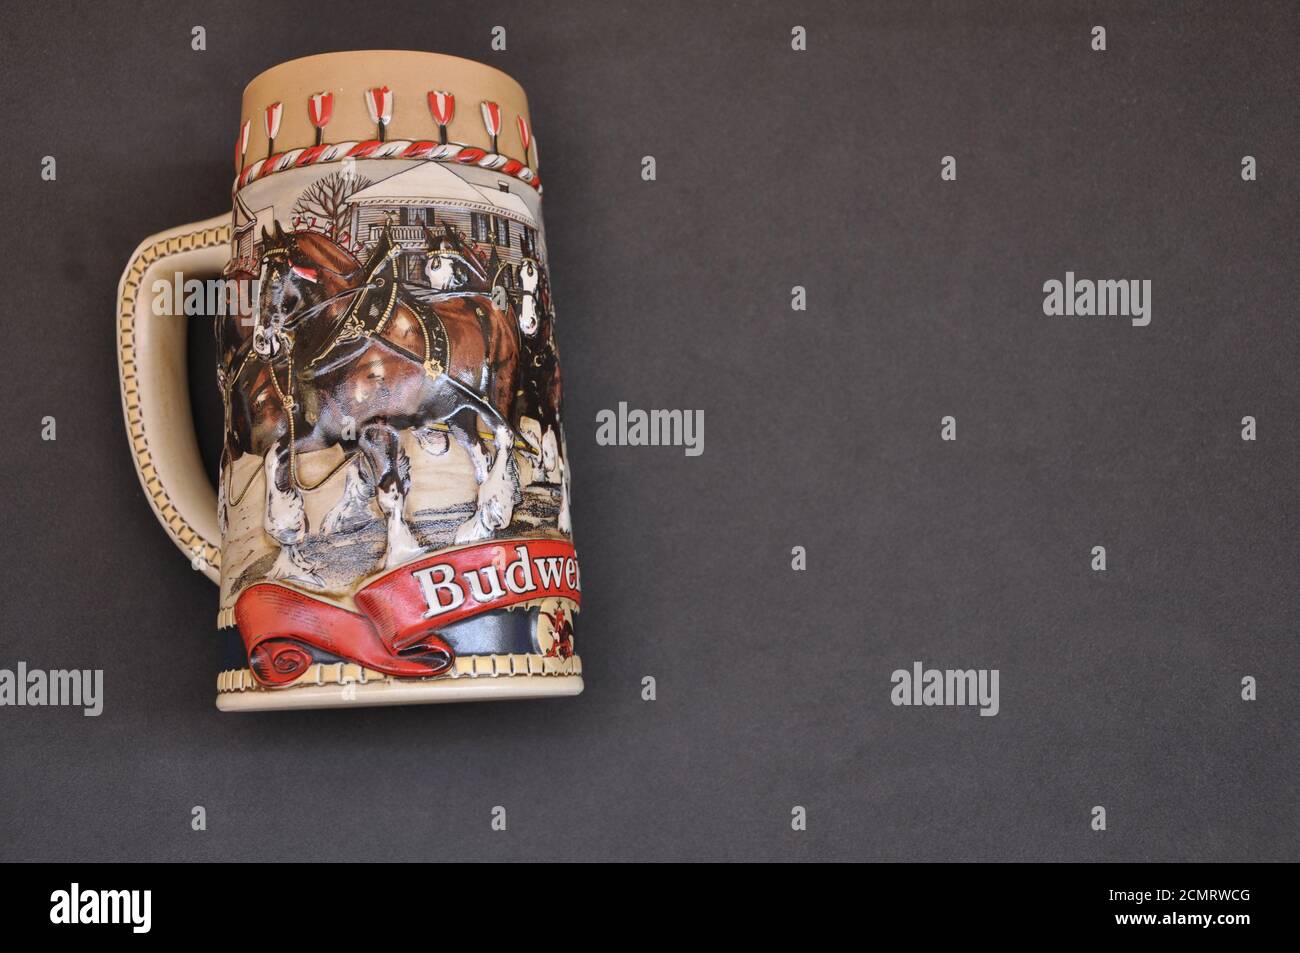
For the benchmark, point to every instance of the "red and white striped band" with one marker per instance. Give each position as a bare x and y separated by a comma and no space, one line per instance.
391,149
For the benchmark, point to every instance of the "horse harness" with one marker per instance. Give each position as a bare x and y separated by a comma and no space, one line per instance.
354,325
364,318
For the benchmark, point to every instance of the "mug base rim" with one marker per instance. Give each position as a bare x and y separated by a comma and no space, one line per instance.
384,690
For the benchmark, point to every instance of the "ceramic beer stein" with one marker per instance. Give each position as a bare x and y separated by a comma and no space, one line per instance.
391,521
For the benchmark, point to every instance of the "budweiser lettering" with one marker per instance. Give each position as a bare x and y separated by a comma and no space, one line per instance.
524,576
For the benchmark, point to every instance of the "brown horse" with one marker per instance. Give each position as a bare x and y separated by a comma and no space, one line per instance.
340,354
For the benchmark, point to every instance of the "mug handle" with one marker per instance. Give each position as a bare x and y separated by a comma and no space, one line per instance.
154,383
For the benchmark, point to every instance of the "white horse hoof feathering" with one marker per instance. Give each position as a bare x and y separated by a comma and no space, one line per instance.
550,457
496,494
286,523
564,522
353,508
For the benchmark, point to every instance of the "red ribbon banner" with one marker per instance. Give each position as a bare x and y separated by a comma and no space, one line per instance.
396,631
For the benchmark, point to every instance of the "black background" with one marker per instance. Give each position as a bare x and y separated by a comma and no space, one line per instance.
775,169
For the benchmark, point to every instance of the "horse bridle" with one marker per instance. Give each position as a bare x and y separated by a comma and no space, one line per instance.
533,293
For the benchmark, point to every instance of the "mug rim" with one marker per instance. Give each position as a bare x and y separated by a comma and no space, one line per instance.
349,54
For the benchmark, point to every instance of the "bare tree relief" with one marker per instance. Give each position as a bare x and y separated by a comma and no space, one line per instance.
322,205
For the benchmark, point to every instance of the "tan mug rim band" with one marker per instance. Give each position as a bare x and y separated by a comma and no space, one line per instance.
341,58
384,104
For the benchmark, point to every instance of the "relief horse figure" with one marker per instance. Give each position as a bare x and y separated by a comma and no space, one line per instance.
540,385
449,265
341,355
